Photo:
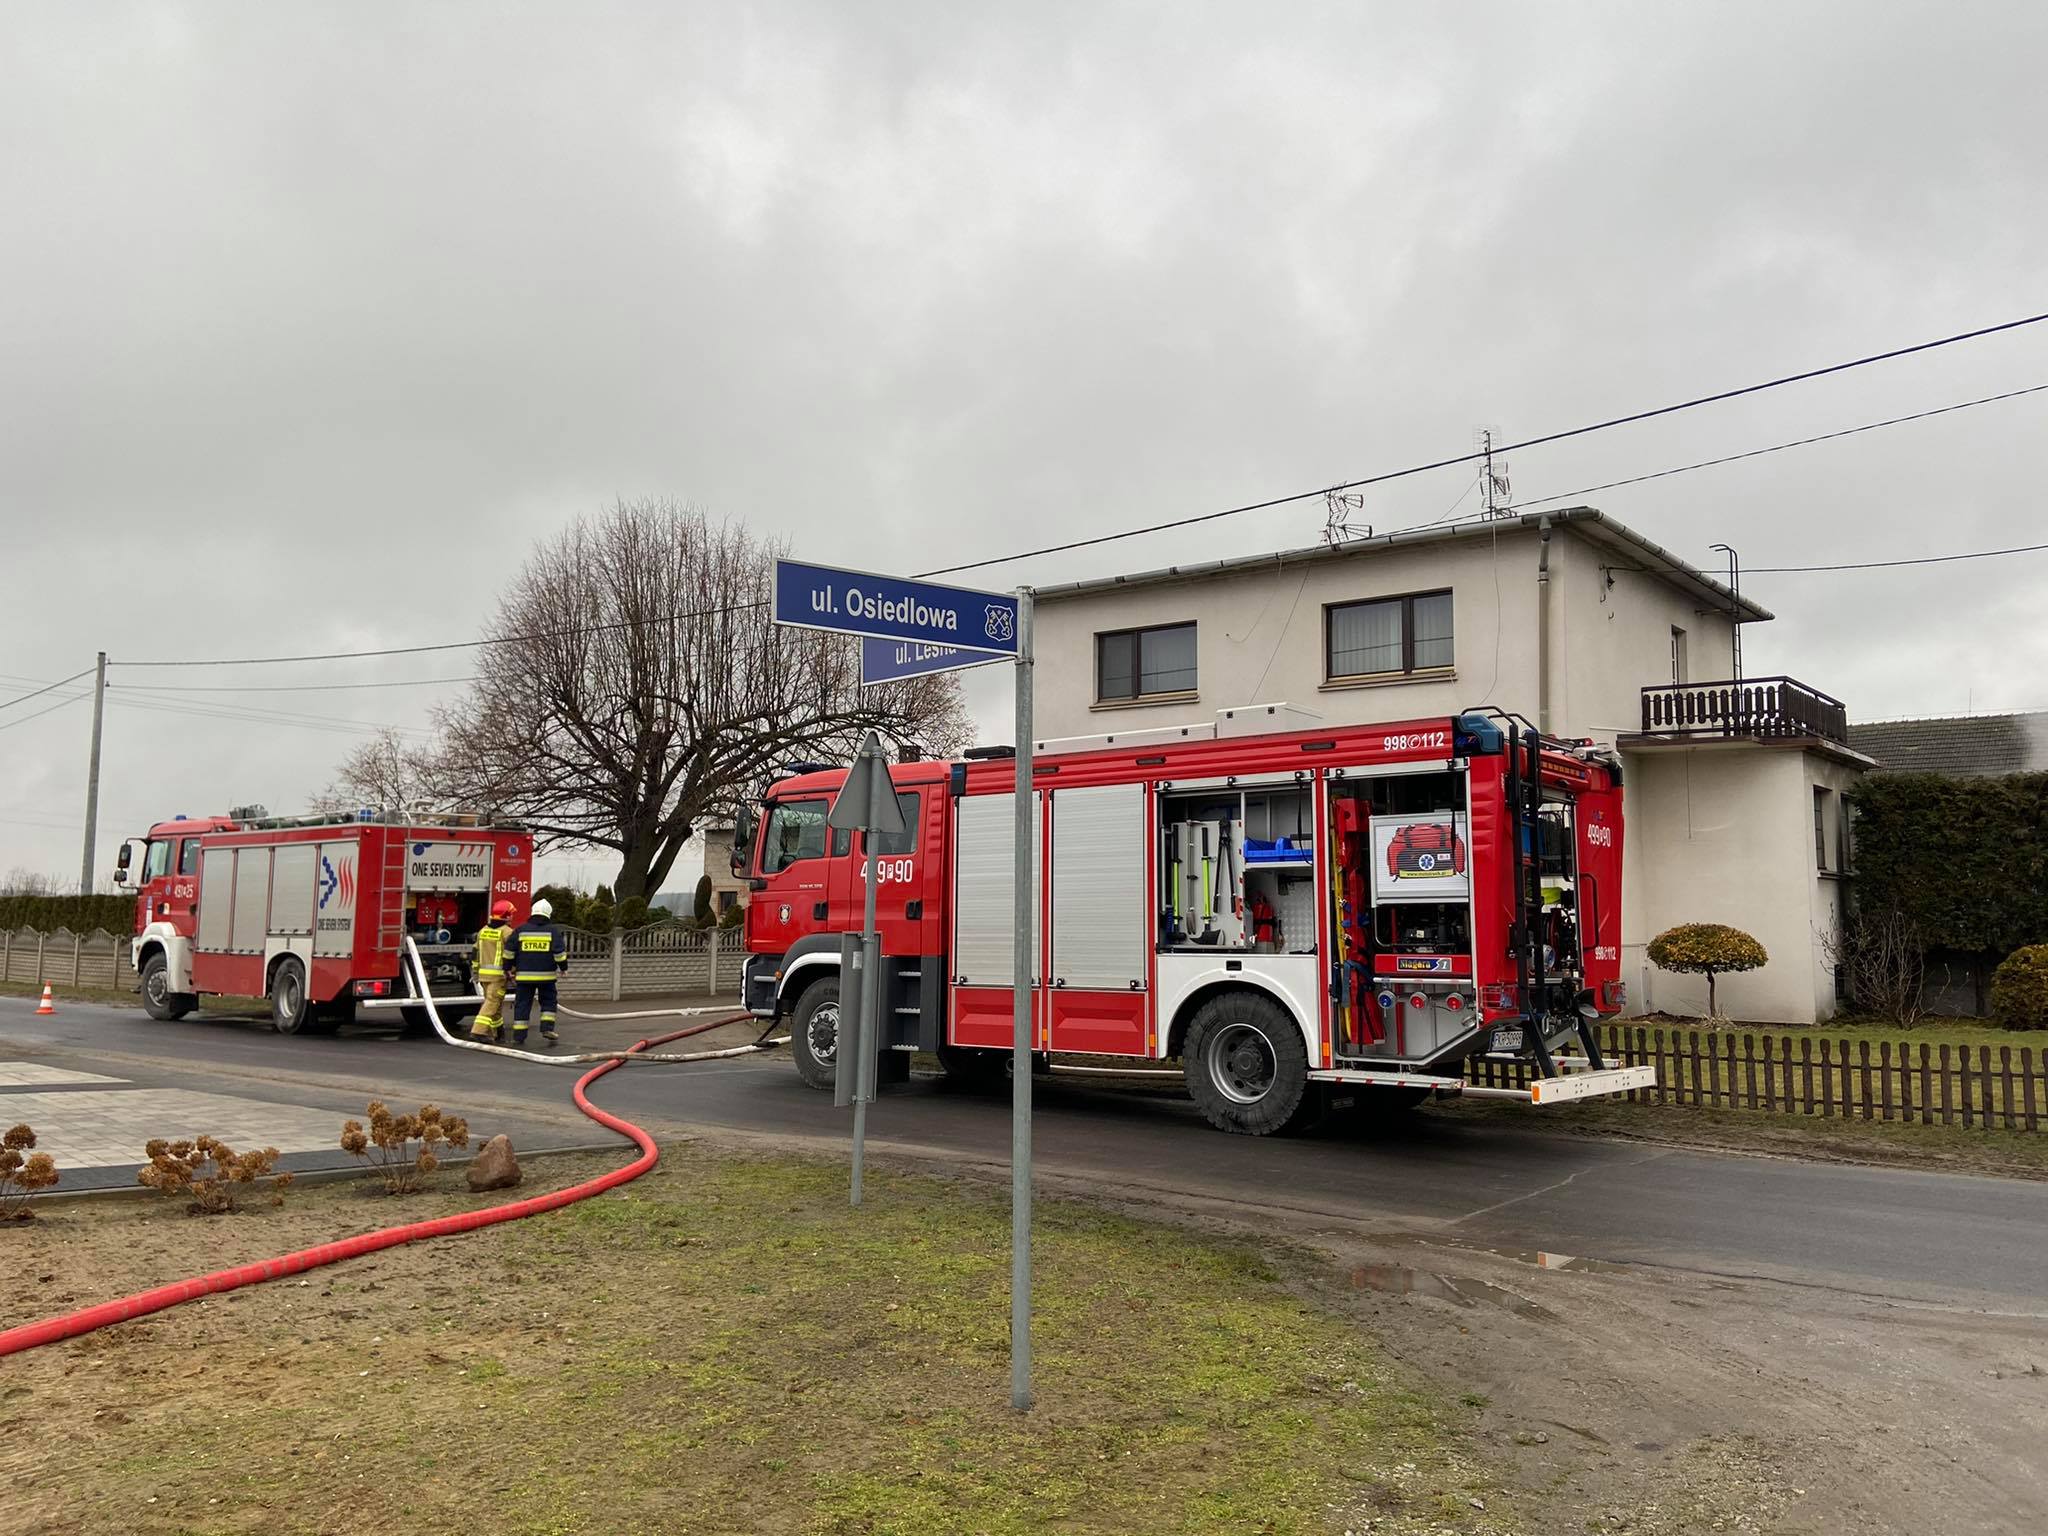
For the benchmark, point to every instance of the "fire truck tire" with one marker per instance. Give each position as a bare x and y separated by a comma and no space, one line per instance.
158,1000
981,1070
291,1011
814,1033
1246,1066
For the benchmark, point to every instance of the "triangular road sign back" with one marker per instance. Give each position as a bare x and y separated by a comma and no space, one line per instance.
867,800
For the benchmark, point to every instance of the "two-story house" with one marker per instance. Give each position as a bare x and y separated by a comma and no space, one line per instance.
1568,618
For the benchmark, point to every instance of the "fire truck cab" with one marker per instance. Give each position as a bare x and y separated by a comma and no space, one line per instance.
312,912
1300,918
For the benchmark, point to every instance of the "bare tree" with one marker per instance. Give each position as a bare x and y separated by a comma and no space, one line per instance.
1882,959
635,687
383,774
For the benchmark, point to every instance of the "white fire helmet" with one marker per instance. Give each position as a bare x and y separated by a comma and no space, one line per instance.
543,908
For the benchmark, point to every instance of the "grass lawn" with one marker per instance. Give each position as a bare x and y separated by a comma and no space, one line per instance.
722,1346
1935,1031
128,997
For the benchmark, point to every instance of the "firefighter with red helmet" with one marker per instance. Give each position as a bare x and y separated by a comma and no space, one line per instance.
491,944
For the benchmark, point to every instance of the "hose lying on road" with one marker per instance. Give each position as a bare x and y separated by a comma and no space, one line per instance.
425,997
70,1325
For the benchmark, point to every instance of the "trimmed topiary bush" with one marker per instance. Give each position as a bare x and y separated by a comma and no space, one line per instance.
2019,989
1709,950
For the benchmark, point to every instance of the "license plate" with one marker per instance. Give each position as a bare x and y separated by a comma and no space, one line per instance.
1507,1039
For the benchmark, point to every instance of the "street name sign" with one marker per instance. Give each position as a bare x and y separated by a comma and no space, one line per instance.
890,661
891,608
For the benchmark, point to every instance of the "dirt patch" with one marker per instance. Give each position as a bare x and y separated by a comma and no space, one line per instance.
722,1346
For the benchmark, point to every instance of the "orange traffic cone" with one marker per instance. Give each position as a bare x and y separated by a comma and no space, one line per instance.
49,1003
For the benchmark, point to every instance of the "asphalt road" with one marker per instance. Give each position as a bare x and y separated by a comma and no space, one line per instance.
1980,1243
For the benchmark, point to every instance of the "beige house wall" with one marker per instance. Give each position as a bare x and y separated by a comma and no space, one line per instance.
1724,834
1609,642
1259,638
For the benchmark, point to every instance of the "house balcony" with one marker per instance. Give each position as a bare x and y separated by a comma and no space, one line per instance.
1748,709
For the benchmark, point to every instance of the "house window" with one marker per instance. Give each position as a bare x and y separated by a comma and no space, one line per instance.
1138,663
1388,636
1678,655
1820,828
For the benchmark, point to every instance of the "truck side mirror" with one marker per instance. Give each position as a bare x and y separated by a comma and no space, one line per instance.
125,861
743,828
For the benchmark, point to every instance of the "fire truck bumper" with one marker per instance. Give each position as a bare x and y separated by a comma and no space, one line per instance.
1572,1085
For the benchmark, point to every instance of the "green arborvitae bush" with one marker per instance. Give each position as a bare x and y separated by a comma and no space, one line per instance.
1964,860
567,904
700,908
631,913
1709,950
76,914
2019,989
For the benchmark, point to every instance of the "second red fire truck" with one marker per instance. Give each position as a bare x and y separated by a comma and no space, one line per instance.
312,912
1300,918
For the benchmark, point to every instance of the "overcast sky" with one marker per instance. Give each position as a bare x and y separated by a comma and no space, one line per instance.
312,317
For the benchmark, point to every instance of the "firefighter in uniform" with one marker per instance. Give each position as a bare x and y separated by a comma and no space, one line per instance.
540,953
491,945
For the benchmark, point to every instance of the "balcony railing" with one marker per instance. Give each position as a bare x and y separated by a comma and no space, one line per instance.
1759,708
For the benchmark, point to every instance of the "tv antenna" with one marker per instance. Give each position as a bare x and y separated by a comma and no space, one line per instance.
1340,507
1493,477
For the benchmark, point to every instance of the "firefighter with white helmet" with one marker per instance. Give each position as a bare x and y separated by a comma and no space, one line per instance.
491,946
539,954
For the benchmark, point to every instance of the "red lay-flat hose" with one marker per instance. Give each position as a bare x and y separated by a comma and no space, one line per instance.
142,1303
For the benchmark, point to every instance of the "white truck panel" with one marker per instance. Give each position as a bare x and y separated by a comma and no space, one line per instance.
1292,980
216,900
251,922
448,865
292,869
1100,920
984,916
336,878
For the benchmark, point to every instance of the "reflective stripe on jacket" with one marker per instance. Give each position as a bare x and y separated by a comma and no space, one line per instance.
539,952
490,949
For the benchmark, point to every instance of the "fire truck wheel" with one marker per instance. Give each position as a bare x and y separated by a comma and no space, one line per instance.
814,1033
1246,1066
290,1012
976,1069
158,1000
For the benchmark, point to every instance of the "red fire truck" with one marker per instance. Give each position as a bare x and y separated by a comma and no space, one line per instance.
313,911
1226,900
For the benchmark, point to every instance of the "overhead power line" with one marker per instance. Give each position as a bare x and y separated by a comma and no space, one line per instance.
415,682
1478,454
1802,442
1875,565
25,697
453,645
60,704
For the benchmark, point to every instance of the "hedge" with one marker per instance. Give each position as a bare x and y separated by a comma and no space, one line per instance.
1966,860
79,914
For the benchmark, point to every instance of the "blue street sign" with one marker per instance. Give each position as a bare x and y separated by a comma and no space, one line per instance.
890,661
890,608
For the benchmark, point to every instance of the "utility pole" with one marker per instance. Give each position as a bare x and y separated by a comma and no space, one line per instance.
92,777
1493,482
1734,608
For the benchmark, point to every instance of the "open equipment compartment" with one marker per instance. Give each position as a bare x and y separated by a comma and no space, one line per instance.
1402,915
1237,868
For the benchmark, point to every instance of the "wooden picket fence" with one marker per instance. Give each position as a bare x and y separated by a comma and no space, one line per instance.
1821,1076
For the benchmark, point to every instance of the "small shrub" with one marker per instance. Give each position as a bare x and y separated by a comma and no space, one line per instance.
23,1171
1709,950
2019,989
631,913
402,1148
732,916
210,1173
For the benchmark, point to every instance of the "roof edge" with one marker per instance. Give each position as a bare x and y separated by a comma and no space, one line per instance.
1590,521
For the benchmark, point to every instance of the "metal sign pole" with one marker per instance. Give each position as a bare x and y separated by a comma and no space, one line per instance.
1024,963
881,805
